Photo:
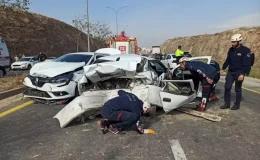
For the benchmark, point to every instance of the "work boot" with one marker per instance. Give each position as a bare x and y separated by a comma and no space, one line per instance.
103,126
235,107
115,130
225,106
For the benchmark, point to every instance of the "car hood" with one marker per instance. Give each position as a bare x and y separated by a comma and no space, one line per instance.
19,63
52,69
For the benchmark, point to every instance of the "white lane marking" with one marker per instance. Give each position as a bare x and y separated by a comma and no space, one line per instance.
177,150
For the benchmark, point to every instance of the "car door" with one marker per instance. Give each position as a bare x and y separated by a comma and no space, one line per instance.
179,74
34,60
173,96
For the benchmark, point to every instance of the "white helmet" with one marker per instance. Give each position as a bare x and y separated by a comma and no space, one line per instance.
184,59
236,38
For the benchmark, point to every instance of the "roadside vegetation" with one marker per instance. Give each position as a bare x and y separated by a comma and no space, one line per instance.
11,82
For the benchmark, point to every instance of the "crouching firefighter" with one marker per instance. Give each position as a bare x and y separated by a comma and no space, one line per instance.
213,96
121,113
207,74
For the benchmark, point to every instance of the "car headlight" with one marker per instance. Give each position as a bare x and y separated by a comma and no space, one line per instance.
64,78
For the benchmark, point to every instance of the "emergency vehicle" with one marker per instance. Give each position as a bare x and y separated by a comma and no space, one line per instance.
127,45
5,60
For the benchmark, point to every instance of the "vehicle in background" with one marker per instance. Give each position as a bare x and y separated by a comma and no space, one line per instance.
169,59
5,60
127,45
58,79
187,54
50,59
24,63
156,49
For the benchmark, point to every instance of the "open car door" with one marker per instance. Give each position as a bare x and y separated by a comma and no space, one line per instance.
179,74
173,96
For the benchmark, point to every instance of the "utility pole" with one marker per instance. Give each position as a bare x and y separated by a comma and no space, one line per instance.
88,28
116,12
124,27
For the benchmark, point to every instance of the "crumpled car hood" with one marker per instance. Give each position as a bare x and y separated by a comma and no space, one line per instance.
52,69
103,71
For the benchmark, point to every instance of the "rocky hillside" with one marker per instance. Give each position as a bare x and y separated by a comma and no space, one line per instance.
29,33
217,45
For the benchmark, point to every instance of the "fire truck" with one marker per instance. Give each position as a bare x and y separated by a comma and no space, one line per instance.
127,45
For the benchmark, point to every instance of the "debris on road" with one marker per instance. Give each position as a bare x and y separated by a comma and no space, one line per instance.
204,115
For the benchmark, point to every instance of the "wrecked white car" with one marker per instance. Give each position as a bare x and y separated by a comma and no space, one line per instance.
58,79
145,77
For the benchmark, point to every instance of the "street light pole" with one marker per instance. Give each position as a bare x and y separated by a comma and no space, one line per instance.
88,28
116,11
124,27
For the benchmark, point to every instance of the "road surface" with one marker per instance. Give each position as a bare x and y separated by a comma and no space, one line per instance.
32,133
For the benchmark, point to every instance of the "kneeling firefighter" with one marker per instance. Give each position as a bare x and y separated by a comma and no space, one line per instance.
207,74
122,112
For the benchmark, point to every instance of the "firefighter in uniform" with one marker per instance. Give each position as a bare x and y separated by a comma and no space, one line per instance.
213,96
238,62
122,112
207,74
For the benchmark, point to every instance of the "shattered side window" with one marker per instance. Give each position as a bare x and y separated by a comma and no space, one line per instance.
179,88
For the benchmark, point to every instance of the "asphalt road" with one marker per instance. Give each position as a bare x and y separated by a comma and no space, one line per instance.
32,133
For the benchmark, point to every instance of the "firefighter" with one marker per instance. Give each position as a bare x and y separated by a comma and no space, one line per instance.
122,112
207,74
238,62
179,53
213,96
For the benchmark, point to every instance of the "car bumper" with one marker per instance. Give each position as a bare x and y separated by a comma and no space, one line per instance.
50,91
19,67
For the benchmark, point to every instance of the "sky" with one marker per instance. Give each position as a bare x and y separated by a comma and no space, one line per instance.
153,22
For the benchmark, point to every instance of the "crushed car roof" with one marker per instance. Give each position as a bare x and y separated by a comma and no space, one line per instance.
126,57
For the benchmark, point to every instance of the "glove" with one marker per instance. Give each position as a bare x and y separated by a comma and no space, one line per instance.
149,131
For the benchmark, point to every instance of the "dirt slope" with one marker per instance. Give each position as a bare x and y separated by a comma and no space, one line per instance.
29,33
217,45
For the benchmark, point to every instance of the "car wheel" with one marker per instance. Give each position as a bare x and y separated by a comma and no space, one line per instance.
29,67
2,72
77,92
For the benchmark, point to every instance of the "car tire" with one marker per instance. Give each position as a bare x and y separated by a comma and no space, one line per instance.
76,92
29,67
2,72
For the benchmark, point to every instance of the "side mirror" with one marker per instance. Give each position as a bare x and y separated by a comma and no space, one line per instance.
31,60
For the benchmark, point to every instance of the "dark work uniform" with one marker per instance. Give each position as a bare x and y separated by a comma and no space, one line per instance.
124,110
208,71
42,57
238,62
252,63
215,65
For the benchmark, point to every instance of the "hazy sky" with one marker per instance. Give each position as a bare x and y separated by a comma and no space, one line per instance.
155,21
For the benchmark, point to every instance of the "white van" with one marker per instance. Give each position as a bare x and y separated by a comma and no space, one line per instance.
5,60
